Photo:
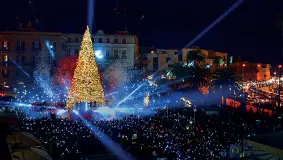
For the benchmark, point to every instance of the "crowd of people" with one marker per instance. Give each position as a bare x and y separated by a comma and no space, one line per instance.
177,134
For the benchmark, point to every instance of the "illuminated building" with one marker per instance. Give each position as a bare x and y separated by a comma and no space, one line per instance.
252,71
108,47
21,47
158,59
212,58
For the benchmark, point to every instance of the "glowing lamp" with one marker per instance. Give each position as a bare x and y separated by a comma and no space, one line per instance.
98,54
279,66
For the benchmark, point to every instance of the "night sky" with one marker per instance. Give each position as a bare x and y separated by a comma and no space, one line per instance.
251,31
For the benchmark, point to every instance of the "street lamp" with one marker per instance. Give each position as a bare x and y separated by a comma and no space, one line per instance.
195,110
279,101
243,76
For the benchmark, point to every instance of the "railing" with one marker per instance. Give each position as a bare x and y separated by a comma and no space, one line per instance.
3,49
35,49
20,50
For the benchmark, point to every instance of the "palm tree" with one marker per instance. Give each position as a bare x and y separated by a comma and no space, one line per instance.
225,83
196,56
198,77
178,70
195,77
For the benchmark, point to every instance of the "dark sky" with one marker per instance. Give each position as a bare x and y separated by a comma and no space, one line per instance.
251,31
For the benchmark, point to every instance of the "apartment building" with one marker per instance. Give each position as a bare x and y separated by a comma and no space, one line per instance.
158,59
108,47
19,49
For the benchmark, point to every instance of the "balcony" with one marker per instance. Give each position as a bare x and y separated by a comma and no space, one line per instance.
20,50
35,49
4,50
111,57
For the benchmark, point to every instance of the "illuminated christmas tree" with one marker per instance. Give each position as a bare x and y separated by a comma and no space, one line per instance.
86,83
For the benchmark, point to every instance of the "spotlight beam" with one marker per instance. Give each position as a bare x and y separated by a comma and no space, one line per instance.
208,28
106,141
91,6
21,69
129,95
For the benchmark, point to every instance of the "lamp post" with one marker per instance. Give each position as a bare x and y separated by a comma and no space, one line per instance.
243,66
195,110
258,66
279,76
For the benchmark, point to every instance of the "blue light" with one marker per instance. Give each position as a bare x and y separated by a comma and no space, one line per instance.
98,54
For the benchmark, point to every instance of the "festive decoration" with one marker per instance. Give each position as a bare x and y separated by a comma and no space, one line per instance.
42,74
146,100
66,70
231,60
117,74
187,102
86,83
221,62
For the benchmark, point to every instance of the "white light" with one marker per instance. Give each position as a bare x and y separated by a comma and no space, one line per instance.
98,54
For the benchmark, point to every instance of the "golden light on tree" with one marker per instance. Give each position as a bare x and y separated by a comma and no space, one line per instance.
146,100
86,83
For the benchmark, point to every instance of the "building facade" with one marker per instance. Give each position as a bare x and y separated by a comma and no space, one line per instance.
212,58
158,59
107,48
252,71
19,51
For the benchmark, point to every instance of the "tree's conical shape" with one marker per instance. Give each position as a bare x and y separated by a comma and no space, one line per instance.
86,83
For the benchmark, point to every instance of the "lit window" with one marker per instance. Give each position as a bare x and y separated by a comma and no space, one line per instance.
115,53
5,45
5,73
6,58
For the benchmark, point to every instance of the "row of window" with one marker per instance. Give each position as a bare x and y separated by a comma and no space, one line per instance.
101,40
20,60
6,73
5,46
116,52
